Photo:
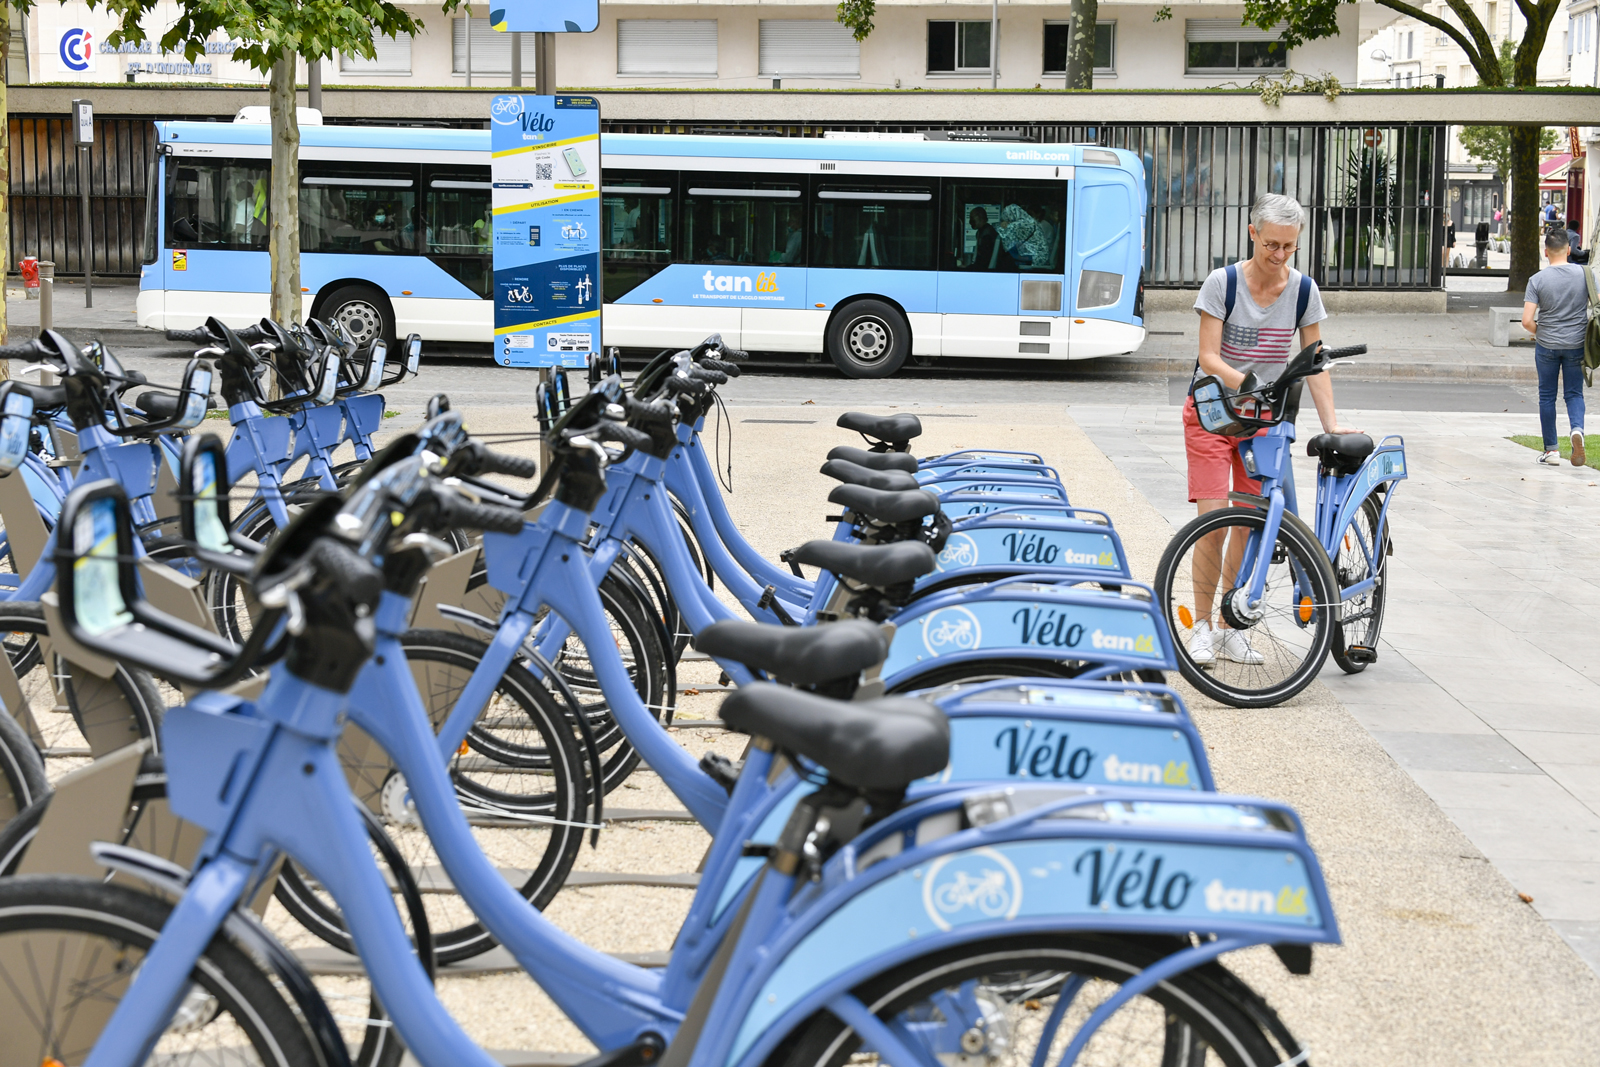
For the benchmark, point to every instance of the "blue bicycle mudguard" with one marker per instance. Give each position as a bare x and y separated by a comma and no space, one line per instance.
963,504
1005,544
1026,617
1016,488
991,468
1072,732
1386,464
1048,859
979,455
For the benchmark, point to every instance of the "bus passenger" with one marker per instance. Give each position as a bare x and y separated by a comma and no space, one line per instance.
989,254
794,241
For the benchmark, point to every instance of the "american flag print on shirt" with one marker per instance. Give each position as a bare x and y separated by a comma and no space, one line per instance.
1243,344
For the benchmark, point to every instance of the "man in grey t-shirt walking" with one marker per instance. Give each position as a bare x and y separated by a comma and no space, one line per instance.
1556,312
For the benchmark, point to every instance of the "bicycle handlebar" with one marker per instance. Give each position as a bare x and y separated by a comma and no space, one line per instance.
1344,353
458,511
730,369
476,459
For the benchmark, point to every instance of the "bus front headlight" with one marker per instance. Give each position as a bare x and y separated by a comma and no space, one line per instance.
1098,289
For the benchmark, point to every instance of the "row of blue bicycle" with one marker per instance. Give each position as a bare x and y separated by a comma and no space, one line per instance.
972,826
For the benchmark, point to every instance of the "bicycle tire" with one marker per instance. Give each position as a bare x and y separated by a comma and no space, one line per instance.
1191,1019
457,935
22,777
1306,561
42,916
109,712
1350,557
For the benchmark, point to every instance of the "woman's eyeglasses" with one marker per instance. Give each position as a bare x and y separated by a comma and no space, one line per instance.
1274,248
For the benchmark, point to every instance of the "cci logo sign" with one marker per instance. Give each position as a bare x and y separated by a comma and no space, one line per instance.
73,50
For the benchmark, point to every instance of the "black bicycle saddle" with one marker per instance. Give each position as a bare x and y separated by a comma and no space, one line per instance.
876,461
809,655
893,430
882,566
1341,453
886,506
872,745
853,474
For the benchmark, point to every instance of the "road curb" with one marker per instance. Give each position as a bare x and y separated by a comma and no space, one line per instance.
113,336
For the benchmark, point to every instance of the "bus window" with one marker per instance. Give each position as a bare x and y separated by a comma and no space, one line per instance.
742,220
217,203
459,221
370,210
885,224
635,228
1005,226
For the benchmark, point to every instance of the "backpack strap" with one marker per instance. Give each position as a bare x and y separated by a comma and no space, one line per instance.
1303,301
1232,272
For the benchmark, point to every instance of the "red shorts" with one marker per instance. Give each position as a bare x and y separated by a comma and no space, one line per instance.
1211,458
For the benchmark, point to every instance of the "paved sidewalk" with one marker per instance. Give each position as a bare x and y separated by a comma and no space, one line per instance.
1487,686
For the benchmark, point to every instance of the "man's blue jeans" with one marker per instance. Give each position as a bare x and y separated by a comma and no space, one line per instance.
1568,364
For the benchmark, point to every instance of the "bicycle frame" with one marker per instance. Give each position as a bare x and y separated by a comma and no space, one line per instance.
1339,498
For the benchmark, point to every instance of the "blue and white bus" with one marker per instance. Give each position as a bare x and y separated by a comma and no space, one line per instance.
870,251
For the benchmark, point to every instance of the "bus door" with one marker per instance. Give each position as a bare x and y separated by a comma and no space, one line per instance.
213,259
1001,286
1106,254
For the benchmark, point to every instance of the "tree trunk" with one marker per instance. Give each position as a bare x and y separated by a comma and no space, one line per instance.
284,195
1080,44
1526,233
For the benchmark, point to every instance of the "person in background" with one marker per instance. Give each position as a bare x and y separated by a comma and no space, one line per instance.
1577,255
1555,310
794,241
1480,241
1449,238
989,254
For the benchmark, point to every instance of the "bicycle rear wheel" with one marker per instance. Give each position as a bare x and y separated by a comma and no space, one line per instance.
1361,557
1285,638
991,1004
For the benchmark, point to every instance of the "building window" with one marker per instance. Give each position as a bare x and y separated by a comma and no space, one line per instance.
1491,19
808,48
958,47
491,49
1055,47
1411,44
684,48
392,55
1222,46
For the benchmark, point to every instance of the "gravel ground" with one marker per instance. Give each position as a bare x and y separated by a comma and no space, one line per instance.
1442,962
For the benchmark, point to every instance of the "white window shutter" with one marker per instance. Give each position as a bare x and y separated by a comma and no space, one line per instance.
680,47
393,57
808,48
491,49
1229,30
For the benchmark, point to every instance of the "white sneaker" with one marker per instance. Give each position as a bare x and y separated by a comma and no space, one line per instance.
1550,459
1578,456
1203,646
1236,647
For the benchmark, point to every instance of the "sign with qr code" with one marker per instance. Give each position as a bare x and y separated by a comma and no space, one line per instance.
526,16
545,171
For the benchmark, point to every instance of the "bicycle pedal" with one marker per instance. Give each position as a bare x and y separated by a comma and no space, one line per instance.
1361,654
641,1053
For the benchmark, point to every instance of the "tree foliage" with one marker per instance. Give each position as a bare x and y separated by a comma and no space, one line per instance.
858,15
1492,144
1509,66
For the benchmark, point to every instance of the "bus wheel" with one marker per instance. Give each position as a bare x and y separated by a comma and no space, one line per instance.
363,313
869,339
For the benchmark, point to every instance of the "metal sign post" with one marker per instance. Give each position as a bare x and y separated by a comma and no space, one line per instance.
83,138
545,166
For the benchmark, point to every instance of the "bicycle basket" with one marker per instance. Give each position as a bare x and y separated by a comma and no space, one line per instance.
1230,414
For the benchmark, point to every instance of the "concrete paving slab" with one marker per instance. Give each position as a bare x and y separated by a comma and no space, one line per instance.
1562,890
1583,936
1478,752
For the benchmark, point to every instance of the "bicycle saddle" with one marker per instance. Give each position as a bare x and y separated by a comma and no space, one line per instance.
876,461
44,396
893,430
810,655
886,506
1341,453
871,745
852,474
157,405
881,566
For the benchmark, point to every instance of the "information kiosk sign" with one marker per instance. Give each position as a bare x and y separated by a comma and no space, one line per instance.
527,16
546,173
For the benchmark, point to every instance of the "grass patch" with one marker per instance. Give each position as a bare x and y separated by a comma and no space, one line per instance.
1534,441
217,413
390,414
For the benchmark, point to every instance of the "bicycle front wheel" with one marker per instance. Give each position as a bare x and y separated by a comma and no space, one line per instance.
1254,657
999,1002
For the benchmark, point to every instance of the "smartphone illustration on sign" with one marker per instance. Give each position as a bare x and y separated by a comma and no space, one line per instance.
574,162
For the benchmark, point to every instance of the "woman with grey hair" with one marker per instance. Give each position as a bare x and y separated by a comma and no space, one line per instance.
1249,313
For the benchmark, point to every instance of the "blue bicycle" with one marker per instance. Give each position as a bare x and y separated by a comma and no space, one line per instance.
1256,597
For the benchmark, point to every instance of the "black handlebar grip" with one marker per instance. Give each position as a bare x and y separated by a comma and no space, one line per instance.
678,383
708,374
25,350
461,512
250,334
738,355
606,430
483,461
730,369
194,337
1344,353
347,569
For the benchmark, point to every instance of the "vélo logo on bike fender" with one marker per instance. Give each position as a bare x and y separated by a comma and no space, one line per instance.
970,887
951,630
959,551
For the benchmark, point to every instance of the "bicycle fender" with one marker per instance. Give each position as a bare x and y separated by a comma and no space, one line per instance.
979,455
1027,617
1386,465
963,504
1135,862
1017,544
1035,488
1024,471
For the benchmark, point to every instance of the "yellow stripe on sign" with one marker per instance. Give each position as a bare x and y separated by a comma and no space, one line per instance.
552,202
541,145
524,327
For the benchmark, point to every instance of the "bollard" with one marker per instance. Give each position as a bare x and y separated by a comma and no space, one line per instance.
47,290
